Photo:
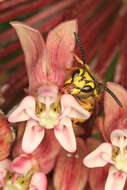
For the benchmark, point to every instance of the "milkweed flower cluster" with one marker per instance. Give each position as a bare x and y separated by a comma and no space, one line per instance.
46,137
21,174
45,107
115,154
113,151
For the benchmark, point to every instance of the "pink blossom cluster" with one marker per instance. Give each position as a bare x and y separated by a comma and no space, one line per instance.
46,138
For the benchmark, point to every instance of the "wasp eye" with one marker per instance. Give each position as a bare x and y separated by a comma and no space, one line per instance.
87,88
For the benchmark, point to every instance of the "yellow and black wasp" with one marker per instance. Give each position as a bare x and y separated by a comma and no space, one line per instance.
84,86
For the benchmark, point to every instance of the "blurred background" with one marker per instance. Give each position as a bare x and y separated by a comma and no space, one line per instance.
102,30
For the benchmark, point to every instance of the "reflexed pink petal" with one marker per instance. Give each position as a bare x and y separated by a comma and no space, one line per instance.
4,166
76,111
32,188
47,152
70,173
65,135
110,106
39,181
99,157
65,113
116,179
21,164
2,182
32,137
35,53
119,138
60,43
97,177
20,113
43,153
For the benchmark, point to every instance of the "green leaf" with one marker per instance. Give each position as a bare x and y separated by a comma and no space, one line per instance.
111,69
96,136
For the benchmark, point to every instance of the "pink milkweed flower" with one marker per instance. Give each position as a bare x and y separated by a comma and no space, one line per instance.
23,165
45,155
114,115
108,124
45,107
21,173
114,153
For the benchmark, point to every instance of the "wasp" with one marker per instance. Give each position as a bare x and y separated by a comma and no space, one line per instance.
84,86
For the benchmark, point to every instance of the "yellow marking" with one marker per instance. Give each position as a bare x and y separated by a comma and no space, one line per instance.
82,83
81,71
79,83
87,106
68,81
75,91
88,77
95,92
75,121
91,84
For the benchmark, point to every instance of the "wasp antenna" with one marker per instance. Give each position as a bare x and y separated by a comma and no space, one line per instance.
111,93
83,54
81,47
101,84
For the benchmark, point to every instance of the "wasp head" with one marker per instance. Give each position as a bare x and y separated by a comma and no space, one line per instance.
81,85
